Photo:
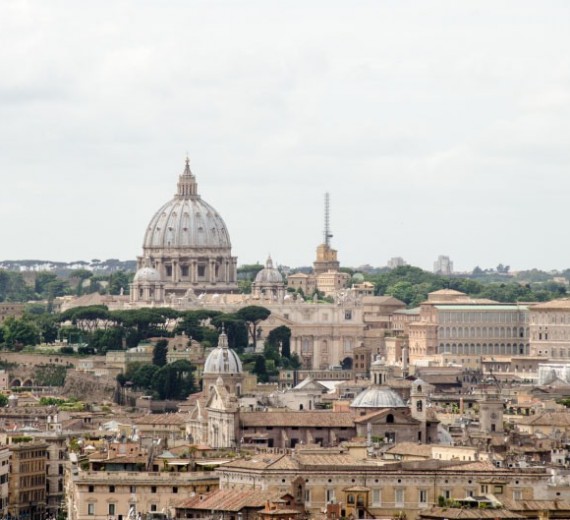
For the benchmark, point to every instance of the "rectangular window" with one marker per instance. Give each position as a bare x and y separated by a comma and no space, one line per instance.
133,489
376,497
175,489
111,509
517,494
153,489
184,270
347,315
111,489
91,489
153,507
399,497
423,496
307,496
90,509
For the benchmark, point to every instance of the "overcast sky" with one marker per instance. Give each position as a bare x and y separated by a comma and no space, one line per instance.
437,127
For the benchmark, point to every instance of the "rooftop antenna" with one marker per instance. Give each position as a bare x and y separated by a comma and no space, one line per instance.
327,232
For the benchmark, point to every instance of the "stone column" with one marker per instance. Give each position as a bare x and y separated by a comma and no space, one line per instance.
174,267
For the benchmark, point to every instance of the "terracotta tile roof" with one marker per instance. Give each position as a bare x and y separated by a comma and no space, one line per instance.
536,505
402,416
554,305
474,466
229,500
262,461
547,419
411,448
305,419
167,419
468,513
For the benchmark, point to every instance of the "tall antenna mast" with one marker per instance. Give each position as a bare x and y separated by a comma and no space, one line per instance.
327,233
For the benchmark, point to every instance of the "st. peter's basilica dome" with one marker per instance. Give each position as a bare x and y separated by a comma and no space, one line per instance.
187,243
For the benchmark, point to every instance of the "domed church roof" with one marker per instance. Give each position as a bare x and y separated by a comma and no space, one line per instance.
223,360
186,220
378,397
147,274
269,274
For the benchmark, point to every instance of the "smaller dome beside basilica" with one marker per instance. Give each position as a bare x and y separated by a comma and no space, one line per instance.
147,274
269,274
223,360
378,397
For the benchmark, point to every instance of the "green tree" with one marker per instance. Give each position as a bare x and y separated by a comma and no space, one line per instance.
235,328
87,318
280,338
49,328
3,400
159,353
143,377
253,315
103,340
13,288
19,333
260,369
174,381
48,285
118,281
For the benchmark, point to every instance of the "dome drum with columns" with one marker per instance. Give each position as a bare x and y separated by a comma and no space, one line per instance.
268,283
186,246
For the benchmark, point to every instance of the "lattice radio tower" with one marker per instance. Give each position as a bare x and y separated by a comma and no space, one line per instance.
327,232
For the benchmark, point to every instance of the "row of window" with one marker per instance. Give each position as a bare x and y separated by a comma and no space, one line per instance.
132,489
481,332
32,454
423,495
489,316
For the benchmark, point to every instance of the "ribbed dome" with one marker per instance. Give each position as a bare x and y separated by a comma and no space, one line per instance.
378,397
269,274
147,274
186,220
222,360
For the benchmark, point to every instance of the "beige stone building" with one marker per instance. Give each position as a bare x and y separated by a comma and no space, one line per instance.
549,325
451,322
101,495
4,475
371,488
27,480
11,310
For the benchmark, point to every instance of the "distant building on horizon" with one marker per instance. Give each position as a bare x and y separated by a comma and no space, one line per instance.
396,261
443,265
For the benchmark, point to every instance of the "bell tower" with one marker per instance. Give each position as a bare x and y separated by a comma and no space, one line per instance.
491,414
418,403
